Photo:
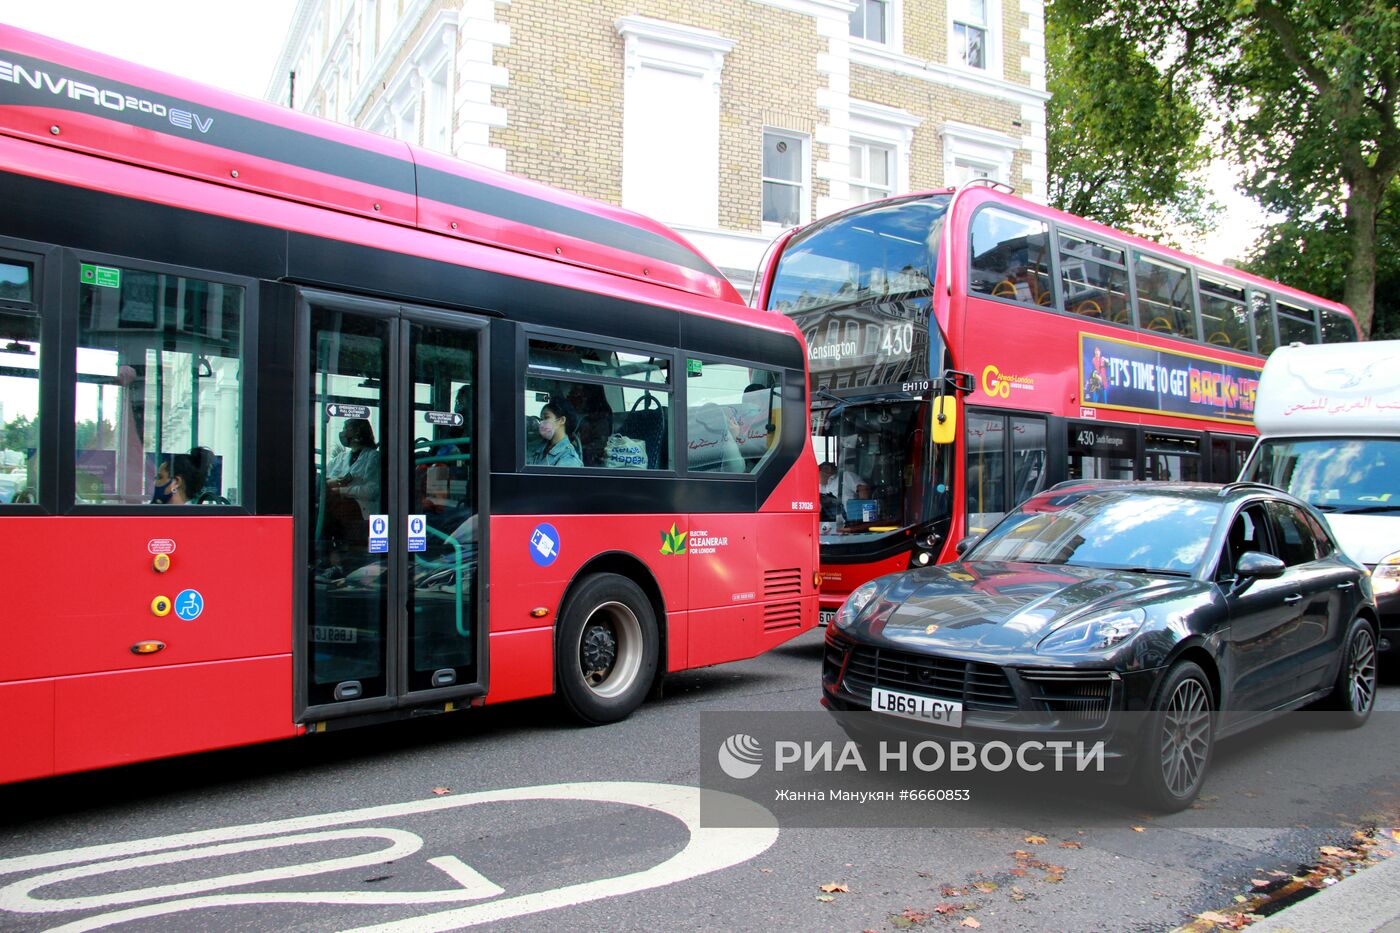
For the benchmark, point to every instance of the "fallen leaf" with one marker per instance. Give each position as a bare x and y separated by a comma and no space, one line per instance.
442,790
950,891
766,871
1068,844
825,898
1259,882
1211,916
1017,894
1020,853
1241,899
1278,874
1054,879
970,922
1036,840
915,916
986,887
834,888
1055,869
943,907
1018,872
1139,829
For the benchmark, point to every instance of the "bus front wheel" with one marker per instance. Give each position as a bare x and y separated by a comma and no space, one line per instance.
606,652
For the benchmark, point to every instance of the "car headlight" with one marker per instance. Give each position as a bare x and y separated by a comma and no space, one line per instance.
860,597
1096,633
1385,579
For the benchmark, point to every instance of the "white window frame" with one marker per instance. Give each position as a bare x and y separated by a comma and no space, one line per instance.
803,183
878,124
970,146
871,190
992,41
894,28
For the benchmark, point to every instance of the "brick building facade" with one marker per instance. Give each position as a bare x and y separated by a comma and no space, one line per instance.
728,120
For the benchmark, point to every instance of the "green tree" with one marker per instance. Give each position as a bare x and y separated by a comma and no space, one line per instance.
1314,254
1306,90
1124,149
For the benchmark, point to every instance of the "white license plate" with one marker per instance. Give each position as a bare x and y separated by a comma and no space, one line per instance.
909,706
826,616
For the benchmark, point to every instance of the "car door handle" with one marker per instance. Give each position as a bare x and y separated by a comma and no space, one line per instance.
1345,586
1296,597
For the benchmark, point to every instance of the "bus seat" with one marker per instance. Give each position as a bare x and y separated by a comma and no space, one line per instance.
647,423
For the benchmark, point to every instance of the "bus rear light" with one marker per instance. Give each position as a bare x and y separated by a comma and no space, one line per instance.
147,647
539,612
817,579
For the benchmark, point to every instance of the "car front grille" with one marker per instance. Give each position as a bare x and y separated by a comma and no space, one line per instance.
975,685
1076,696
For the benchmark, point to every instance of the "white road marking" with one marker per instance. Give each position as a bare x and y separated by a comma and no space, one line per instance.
707,850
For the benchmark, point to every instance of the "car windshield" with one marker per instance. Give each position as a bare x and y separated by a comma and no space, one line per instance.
1115,529
1360,475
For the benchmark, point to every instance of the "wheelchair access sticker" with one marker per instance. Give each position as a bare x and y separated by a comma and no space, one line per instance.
544,544
189,604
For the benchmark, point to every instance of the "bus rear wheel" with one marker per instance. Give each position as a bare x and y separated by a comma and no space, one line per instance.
606,653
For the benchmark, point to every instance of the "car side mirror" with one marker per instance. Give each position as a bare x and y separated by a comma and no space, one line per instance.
965,545
1255,565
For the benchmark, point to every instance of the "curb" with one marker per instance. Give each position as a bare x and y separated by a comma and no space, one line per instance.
1365,902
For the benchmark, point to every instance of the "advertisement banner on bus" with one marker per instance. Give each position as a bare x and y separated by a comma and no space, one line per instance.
1131,377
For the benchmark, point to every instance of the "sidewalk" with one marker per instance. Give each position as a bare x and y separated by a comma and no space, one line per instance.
1367,902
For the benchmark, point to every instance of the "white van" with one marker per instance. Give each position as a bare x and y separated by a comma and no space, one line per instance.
1329,423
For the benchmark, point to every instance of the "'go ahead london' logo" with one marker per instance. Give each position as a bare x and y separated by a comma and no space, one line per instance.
740,756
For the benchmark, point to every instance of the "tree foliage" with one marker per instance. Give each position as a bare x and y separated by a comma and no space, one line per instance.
1124,149
1313,254
1306,91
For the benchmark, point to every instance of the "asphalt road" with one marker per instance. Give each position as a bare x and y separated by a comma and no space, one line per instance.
432,824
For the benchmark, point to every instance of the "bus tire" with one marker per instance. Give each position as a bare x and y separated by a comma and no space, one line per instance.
606,651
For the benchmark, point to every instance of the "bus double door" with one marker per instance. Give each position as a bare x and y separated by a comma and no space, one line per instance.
391,541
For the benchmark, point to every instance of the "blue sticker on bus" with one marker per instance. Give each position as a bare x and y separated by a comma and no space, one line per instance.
544,544
378,534
417,533
189,604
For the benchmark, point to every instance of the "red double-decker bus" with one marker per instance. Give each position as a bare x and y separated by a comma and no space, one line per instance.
306,427
969,348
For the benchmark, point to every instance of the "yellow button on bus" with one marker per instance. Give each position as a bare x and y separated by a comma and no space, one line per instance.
161,606
161,563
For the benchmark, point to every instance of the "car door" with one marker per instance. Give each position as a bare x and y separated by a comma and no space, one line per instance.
1264,618
1321,581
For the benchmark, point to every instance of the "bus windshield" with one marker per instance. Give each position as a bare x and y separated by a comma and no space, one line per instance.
886,251
875,468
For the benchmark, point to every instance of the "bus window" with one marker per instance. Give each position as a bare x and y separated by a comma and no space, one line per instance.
159,364
1011,257
1098,451
1227,456
620,400
1296,324
1262,312
730,416
1337,327
1164,297
985,479
19,404
1223,315
1173,458
1095,279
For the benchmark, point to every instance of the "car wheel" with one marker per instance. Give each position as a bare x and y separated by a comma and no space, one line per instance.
1354,695
606,650
1178,742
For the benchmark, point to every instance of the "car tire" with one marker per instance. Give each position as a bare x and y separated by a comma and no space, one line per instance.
1354,694
1178,741
606,649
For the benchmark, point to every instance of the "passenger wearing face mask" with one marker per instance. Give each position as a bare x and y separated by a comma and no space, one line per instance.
557,418
354,469
182,479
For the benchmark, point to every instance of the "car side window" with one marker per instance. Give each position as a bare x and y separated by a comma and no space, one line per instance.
1297,544
1246,534
1325,545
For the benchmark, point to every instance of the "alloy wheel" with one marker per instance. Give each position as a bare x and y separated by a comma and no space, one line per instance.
1185,737
1361,679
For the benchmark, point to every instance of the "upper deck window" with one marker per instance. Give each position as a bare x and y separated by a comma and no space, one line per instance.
1261,310
1011,257
16,281
1337,327
1095,279
1223,314
884,252
159,372
1164,297
1296,324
